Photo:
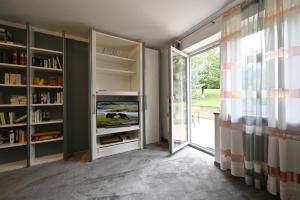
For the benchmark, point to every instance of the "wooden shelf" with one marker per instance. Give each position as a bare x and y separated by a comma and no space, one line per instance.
12,125
12,85
9,145
48,122
13,166
47,86
48,104
113,41
47,159
45,141
117,93
45,69
10,45
45,51
13,105
115,59
12,66
106,131
117,143
116,71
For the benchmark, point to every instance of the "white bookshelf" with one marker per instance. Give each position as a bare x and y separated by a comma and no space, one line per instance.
41,46
116,71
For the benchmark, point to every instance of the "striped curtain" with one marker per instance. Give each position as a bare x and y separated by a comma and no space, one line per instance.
260,91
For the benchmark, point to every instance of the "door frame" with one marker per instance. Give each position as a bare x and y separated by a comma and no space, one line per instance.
172,149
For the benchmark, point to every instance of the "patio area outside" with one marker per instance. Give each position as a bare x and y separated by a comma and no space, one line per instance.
205,97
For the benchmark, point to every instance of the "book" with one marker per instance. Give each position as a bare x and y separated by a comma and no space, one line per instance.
2,118
58,62
21,119
18,79
6,78
12,79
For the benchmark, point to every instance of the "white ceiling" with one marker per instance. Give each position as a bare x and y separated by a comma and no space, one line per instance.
155,22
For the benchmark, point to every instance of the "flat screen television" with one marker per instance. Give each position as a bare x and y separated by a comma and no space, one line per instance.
112,114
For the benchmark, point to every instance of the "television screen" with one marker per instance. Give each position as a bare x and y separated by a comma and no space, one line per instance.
111,114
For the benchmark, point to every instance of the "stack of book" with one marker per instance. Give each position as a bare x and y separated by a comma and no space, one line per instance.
52,62
51,81
13,136
10,118
40,116
13,57
47,98
11,78
18,99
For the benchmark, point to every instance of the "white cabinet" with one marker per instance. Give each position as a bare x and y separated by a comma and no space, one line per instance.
152,96
116,73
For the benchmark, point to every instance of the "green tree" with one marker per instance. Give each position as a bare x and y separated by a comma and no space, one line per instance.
206,69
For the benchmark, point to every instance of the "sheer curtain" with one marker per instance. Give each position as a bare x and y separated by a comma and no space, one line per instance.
260,91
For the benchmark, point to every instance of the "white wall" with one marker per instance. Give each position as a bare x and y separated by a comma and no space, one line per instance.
152,95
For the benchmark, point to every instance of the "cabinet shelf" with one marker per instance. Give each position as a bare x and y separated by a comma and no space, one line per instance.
47,86
116,71
115,59
117,143
45,51
13,125
10,45
47,104
106,131
12,85
46,141
13,105
47,122
13,165
47,159
45,69
8,145
117,93
12,66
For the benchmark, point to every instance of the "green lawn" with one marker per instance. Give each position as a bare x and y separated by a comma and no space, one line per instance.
211,97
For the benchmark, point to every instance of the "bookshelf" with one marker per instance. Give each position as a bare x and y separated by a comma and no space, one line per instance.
32,84
13,100
47,99
116,71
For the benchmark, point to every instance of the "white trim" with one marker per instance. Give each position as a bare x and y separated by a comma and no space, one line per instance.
42,30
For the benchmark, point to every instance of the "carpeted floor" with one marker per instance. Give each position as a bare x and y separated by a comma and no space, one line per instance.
147,174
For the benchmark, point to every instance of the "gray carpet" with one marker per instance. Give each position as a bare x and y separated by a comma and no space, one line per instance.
147,174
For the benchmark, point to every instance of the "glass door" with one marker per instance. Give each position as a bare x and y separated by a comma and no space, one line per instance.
179,100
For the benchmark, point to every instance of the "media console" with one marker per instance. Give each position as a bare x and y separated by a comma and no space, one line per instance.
117,75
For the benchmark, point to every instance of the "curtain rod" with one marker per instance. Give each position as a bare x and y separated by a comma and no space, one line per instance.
212,18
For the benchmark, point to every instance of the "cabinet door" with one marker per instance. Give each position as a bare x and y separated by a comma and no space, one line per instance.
179,100
152,96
